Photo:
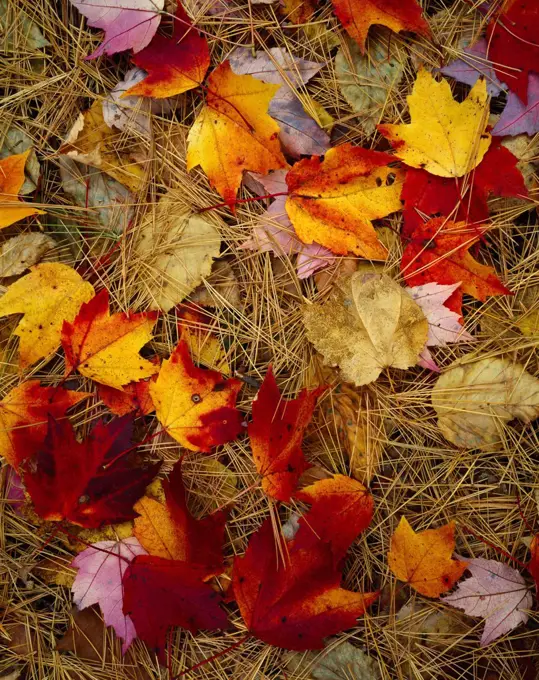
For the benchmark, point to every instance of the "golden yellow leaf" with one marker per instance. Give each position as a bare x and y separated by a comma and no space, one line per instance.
367,324
529,324
445,137
234,132
12,209
49,295
92,142
474,401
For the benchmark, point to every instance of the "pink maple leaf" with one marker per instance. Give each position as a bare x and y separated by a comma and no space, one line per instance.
99,581
128,24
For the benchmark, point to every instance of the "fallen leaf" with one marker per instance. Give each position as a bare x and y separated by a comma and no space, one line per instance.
105,347
438,252
233,132
339,660
299,133
533,564
24,413
399,15
423,559
366,326
89,483
518,118
162,593
19,33
174,65
465,199
298,11
474,401
369,82
528,325
99,581
473,64
16,141
175,253
341,508
444,325
195,406
494,592
513,43
128,24
91,142
298,604
12,179
12,487
21,252
130,113
48,296
204,346
135,396
445,137
333,200
220,290
276,432
168,529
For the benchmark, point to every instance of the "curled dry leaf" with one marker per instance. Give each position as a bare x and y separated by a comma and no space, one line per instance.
220,289
423,559
196,327
473,401
21,252
366,326
495,592
333,200
339,660
50,295
128,113
175,251
449,138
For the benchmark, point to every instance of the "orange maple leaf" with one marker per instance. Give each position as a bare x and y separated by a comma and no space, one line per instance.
357,16
175,64
276,432
333,199
423,559
135,396
438,252
105,348
196,407
234,132
12,209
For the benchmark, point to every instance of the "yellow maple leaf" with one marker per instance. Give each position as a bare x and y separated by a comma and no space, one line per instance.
12,209
49,295
445,137
234,132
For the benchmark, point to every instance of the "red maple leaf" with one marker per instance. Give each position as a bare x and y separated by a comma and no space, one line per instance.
513,44
341,509
90,483
438,252
464,198
276,432
159,594
297,604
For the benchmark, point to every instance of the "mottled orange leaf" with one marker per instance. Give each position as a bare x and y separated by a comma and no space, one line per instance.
297,604
423,559
196,407
23,417
170,531
12,209
195,327
438,253
105,347
341,509
333,199
276,432
357,16
135,396
234,132
174,64
533,564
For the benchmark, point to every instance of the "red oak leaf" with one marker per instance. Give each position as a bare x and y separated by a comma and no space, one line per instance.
90,483
171,532
438,252
341,509
513,44
175,64
298,604
159,594
464,198
276,432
